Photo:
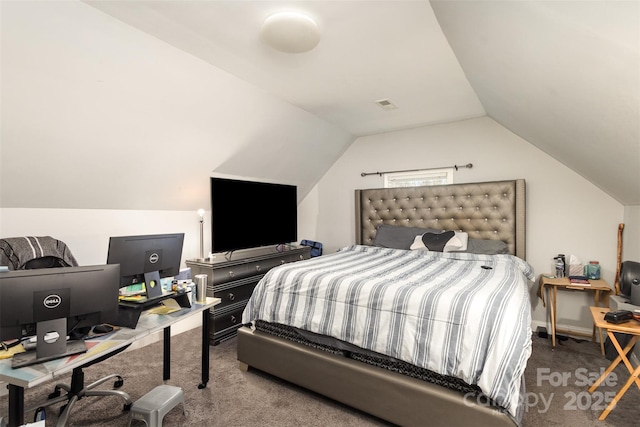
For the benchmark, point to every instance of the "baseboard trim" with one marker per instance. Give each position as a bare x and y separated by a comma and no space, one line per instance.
566,330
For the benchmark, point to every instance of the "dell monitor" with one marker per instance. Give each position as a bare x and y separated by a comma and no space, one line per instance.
146,259
53,302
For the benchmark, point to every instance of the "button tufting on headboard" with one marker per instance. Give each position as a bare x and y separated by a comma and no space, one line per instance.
491,210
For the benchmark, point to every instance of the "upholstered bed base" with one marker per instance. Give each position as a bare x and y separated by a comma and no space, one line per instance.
486,210
390,396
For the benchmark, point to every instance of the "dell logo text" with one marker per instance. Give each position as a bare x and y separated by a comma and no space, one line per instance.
153,258
52,301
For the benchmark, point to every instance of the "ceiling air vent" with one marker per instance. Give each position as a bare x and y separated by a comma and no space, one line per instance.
385,104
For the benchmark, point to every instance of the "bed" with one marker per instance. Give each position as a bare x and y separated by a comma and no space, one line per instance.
412,336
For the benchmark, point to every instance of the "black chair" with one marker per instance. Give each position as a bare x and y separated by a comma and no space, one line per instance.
47,252
76,390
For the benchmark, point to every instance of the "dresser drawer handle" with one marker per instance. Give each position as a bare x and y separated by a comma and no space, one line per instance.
258,268
231,273
231,296
233,319
282,261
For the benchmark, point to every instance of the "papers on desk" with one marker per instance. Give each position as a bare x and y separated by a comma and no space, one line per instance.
7,354
133,298
167,306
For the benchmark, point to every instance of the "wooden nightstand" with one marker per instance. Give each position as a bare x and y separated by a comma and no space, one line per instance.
598,287
631,327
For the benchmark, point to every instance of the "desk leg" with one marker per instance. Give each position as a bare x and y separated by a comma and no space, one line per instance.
596,300
16,406
166,364
552,304
601,341
205,349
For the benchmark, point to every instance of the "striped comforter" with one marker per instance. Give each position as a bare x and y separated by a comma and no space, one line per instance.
439,311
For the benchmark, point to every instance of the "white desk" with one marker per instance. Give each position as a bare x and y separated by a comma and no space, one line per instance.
31,376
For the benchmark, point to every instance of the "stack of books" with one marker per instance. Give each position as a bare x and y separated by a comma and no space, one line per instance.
579,280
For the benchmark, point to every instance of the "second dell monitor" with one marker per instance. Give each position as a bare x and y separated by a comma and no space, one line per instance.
146,259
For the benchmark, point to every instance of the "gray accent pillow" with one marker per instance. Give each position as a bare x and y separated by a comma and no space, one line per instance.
396,237
486,247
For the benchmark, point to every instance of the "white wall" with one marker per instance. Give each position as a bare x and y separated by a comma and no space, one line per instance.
565,213
87,231
99,115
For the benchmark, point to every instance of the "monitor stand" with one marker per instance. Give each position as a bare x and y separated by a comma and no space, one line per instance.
49,349
129,311
152,284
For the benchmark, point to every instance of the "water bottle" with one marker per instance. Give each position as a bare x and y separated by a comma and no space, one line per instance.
559,266
201,288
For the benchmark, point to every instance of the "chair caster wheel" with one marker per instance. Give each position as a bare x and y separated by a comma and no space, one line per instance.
119,383
39,415
127,407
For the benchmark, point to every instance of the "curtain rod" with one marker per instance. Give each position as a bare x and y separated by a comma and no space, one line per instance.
456,167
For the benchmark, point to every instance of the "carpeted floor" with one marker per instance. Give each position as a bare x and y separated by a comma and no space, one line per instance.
556,391
557,381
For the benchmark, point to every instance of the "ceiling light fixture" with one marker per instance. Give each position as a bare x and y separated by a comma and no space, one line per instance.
291,32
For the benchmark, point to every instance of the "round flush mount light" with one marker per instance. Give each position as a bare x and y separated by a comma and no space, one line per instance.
290,32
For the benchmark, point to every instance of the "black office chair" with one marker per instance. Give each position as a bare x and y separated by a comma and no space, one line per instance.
46,252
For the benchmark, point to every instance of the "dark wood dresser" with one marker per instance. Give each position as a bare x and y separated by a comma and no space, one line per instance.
232,279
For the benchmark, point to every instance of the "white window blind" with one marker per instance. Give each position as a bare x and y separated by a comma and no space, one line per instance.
418,178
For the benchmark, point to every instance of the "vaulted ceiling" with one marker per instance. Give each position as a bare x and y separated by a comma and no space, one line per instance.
564,75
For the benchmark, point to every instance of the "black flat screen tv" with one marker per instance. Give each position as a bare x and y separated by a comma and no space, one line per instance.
250,214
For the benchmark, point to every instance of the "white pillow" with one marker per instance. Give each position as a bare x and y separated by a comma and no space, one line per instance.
418,244
457,243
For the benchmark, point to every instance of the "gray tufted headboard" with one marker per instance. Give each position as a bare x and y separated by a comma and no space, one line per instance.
485,210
